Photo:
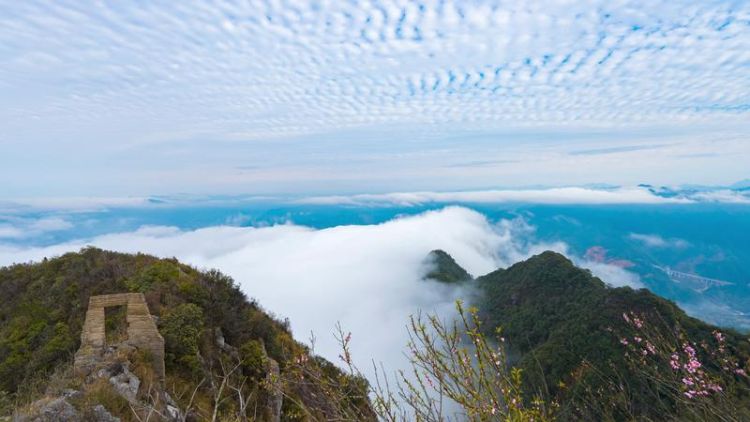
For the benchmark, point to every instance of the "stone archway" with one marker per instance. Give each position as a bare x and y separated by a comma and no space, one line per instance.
142,331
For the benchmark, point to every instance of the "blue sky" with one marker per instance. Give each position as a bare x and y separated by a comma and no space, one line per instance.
266,97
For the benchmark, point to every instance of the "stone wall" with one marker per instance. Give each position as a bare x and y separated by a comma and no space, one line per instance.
142,331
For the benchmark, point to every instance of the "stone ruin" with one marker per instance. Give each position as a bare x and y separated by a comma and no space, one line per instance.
142,332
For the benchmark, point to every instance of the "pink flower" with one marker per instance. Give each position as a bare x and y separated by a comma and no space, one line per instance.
638,323
624,341
674,361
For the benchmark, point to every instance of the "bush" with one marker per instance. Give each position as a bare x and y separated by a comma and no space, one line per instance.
160,272
182,327
254,359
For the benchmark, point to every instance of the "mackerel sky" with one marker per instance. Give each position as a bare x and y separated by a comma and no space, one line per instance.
262,97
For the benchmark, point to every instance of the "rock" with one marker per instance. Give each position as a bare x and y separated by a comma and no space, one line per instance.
124,381
275,395
127,384
46,410
101,414
70,393
223,345
173,410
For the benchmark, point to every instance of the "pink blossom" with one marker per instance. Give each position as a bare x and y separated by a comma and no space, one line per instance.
638,323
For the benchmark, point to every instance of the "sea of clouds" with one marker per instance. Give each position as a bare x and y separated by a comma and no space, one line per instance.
367,277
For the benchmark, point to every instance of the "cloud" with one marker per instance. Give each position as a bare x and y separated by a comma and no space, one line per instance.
717,313
368,277
71,204
567,195
25,228
656,241
724,196
612,274
612,150
315,79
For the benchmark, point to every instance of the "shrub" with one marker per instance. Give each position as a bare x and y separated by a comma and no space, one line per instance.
182,327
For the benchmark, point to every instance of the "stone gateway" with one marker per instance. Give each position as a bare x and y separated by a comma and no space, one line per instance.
142,331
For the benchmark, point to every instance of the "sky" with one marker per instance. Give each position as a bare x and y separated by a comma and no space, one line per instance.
116,99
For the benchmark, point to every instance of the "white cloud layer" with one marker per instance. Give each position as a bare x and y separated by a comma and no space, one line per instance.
367,277
12,227
568,195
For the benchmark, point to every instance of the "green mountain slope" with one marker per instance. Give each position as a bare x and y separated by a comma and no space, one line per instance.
208,325
568,330
442,267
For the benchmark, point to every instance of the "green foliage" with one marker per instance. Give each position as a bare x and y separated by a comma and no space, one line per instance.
182,327
115,323
6,403
57,347
160,272
43,307
102,392
442,267
559,321
254,360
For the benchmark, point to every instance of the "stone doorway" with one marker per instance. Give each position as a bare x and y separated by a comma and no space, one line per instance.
140,331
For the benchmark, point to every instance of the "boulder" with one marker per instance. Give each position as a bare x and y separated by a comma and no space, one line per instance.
100,414
49,410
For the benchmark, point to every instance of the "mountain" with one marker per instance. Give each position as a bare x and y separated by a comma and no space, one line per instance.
612,353
442,267
224,355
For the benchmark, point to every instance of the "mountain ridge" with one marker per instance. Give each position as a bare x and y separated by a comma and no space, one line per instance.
571,335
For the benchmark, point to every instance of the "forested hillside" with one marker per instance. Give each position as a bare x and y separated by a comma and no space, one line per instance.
613,353
214,335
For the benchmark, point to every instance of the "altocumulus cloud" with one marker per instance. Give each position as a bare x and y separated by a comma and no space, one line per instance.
368,277
210,96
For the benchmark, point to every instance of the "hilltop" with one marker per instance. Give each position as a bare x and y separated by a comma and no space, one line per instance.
225,355
604,353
